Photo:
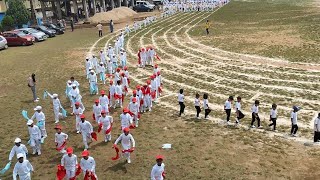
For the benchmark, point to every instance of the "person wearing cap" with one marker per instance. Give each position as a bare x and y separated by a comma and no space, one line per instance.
69,163
56,106
110,68
157,172
121,38
35,137
88,164
78,111
159,83
114,61
125,118
152,53
88,65
60,138
94,61
227,108
116,46
126,139
316,137
140,97
85,129
112,90
73,81
104,101
110,51
76,97
93,83
106,122
22,168
143,56
96,109
154,88
118,95
126,73
18,148
103,56
147,96
117,75
134,109
127,30
123,59
124,84
68,89
41,120
102,72
255,114
155,69
294,121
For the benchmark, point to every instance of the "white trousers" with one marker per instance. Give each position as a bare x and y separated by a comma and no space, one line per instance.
70,174
85,137
35,144
25,176
57,114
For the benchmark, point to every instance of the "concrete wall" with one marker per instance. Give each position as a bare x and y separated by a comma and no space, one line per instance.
3,6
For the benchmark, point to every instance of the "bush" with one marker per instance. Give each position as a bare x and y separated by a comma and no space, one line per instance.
18,12
7,23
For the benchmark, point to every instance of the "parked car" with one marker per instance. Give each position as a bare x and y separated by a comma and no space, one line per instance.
15,38
142,8
3,43
38,35
58,29
48,31
157,2
146,3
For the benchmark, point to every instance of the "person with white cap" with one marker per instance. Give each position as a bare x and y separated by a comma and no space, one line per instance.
124,84
68,89
121,39
88,65
134,110
41,120
96,109
18,148
77,111
110,51
69,163
110,68
114,61
143,56
112,90
127,30
123,59
157,172
103,56
93,81
76,97
104,101
73,81
126,139
85,129
106,122
152,53
102,72
23,168
94,61
35,137
56,106
88,164
60,139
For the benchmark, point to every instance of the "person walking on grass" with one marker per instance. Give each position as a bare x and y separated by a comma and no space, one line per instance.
181,102
157,172
32,86
317,129
239,113
17,149
255,114
111,26
197,105
23,168
227,107
294,121
273,117
69,163
99,26
207,25
206,108
71,24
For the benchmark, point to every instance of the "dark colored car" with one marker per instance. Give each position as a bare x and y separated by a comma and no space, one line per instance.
50,32
58,29
16,38
157,2
142,8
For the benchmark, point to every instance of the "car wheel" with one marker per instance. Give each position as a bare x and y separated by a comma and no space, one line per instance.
24,43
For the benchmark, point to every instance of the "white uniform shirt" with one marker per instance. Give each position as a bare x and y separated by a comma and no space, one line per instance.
60,138
126,141
124,81
97,109
153,85
34,132
227,105
180,97
205,104
93,77
255,109
117,77
139,94
294,118
134,107
106,122
101,69
86,127
89,164
88,65
273,113
78,112
126,74
75,93
196,102
18,149
112,89
22,169
156,172
104,101
317,124
69,163
238,106
39,116
125,119
118,90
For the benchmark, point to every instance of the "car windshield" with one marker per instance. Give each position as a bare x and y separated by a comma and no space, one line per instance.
43,27
148,3
33,31
21,34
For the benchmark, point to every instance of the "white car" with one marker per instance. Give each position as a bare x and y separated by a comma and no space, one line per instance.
38,35
3,43
146,3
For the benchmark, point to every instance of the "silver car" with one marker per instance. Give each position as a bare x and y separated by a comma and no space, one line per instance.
3,43
38,35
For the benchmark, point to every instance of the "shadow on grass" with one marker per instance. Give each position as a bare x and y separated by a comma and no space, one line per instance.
102,143
118,167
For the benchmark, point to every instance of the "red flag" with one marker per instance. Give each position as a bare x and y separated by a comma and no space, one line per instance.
141,102
128,80
122,98
86,177
93,116
108,130
163,175
61,173
94,136
139,115
132,126
128,150
153,94
126,89
109,95
100,127
131,113
157,57
117,153
62,146
159,89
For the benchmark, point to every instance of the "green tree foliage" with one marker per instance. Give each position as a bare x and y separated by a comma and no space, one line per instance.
18,12
7,23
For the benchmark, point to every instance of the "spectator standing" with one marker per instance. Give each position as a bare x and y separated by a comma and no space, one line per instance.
32,85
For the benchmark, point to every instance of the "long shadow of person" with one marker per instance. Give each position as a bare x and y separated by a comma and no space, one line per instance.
119,167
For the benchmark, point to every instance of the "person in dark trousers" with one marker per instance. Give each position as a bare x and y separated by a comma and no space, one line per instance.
317,129
32,86
273,117
207,27
197,105
255,114
206,108
181,102
239,113
111,26
71,24
294,121
227,107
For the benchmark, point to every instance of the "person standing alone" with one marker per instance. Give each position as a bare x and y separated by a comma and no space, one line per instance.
111,26
207,27
32,85
99,26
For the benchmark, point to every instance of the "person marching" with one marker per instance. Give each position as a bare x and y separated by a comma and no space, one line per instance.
103,57
126,139
197,105
17,149
124,84
207,27
227,107
88,165
35,137
206,108
85,129
96,109
134,109
94,61
88,66
41,120
153,88
157,172
294,121
78,111
23,168
125,118
93,81
239,113
69,163
147,96
255,115
273,117
140,97
60,139
117,75
102,72
118,95
181,102
104,102
316,137
76,97
112,90
106,123
68,89
56,106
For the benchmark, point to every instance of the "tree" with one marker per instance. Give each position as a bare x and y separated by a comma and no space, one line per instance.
7,23
18,12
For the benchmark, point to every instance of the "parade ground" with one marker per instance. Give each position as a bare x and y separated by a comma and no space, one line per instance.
258,49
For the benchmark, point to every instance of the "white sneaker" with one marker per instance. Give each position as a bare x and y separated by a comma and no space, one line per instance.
57,121
78,132
34,152
294,135
206,118
106,140
36,100
198,117
260,127
39,153
253,126
275,130
129,161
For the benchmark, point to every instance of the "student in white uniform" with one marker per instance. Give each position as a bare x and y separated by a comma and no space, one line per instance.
197,105
255,114
85,129
93,80
239,113
157,172
60,139
23,168
77,112
181,102
125,119
96,109
104,101
106,123
35,137
316,137
41,120
126,139
17,149
112,90
118,95
88,65
56,106
294,121
206,108
273,117
227,107
69,163
88,164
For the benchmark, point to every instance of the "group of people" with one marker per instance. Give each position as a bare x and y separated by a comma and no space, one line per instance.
191,5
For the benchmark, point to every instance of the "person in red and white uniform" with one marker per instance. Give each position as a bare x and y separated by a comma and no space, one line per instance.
126,73
69,163
96,109
117,76
60,139
156,69
154,88
112,90
134,109
124,84
159,83
77,111
126,139
147,96
85,129
143,55
104,102
140,97
125,118
106,122
157,172
88,164
118,95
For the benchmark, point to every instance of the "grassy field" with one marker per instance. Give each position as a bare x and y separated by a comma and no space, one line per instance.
201,149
